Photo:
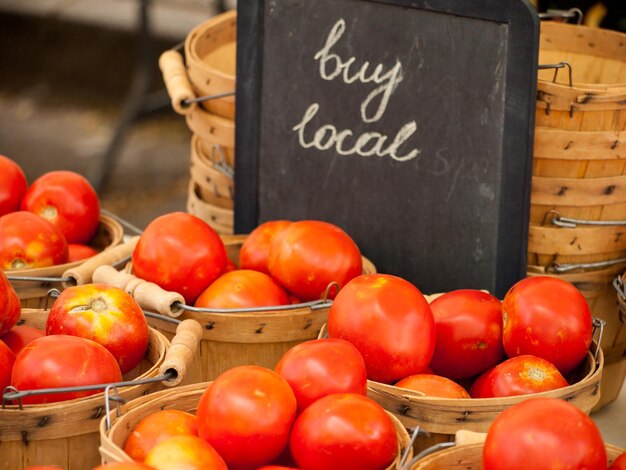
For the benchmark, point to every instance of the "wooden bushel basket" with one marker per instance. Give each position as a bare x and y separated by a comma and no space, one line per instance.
66,433
221,219
35,294
184,399
232,337
211,175
470,457
579,169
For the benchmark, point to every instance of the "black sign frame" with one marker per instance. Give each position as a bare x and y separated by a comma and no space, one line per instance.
518,125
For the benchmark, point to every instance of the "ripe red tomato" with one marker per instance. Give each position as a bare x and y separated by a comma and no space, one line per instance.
519,375
156,428
185,453
469,326
619,463
255,250
389,322
68,201
13,185
543,433
9,305
18,337
180,253
7,359
277,467
28,241
308,255
78,252
322,367
547,317
63,361
105,314
242,288
433,386
246,415
343,431
122,466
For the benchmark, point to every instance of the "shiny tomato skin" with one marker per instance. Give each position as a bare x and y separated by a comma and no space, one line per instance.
389,322
63,361
469,326
7,359
547,317
433,386
29,241
13,185
255,250
180,253
68,201
343,431
105,314
79,252
542,434
619,463
243,288
10,307
308,255
521,375
18,337
123,466
322,367
251,408
156,428
277,467
184,453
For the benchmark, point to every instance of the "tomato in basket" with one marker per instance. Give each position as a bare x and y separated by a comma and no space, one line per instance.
9,305
255,250
13,185
7,359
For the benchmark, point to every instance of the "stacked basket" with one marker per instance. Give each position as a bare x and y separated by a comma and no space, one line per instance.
578,201
208,72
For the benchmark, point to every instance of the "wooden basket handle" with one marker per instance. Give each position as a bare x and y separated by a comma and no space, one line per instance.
182,350
147,294
465,438
176,81
83,273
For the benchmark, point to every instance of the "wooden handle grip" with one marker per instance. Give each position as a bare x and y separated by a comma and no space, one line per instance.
152,297
109,275
182,350
465,438
82,274
176,81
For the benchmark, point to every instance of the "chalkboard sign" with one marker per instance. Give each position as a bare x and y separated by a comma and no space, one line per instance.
407,123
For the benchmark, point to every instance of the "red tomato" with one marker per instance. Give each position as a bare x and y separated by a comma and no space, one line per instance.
7,359
28,241
543,433
156,428
309,255
389,322
277,467
230,266
322,367
122,466
13,185
242,288
619,463
105,314
63,361
78,252
246,416
68,201
255,250
19,336
433,386
344,431
185,453
180,253
520,375
469,326
9,305
547,317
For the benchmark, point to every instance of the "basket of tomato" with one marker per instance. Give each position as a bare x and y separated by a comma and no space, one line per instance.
250,417
540,433
255,296
49,227
457,360
55,364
